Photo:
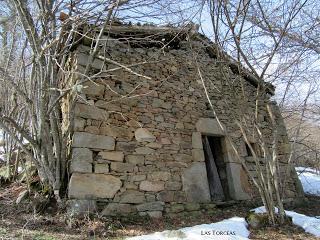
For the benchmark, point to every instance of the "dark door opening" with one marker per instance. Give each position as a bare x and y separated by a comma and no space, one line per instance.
216,168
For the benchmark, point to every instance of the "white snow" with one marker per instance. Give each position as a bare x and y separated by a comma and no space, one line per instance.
236,228
306,169
230,229
309,224
310,180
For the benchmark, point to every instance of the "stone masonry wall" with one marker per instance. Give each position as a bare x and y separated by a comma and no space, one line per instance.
137,140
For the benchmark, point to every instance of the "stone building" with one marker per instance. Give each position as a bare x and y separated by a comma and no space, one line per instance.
145,139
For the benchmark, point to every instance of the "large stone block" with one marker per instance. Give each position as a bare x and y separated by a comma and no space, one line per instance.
79,124
198,155
159,176
81,160
116,209
144,135
93,89
197,140
173,185
166,196
154,145
82,59
181,157
88,140
131,186
108,106
132,196
80,167
209,126
101,168
245,184
157,103
151,186
117,132
112,156
180,197
135,159
91,112
195,183
138,178
150,206
91,129
122,167
234,182
165,141
82,155
176,164
126,146
93,186
144,150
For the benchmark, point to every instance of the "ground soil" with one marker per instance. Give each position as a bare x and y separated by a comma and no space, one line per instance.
20,221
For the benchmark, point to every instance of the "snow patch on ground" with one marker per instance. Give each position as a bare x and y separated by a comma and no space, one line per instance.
309,224
310,180
230,229
236,228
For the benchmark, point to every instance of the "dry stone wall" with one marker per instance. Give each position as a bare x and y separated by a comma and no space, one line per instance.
137,144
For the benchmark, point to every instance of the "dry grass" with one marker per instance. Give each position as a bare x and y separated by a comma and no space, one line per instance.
19,222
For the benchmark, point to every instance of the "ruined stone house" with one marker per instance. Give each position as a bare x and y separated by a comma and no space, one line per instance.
145,140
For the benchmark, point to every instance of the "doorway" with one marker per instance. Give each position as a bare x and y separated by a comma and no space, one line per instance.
216,168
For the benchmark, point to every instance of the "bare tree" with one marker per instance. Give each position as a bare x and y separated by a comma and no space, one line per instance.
36,83
8,101
266,39
50,31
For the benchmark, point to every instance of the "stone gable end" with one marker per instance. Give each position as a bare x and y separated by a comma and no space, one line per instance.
138,130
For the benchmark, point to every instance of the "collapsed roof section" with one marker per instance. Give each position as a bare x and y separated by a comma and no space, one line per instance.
168,37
